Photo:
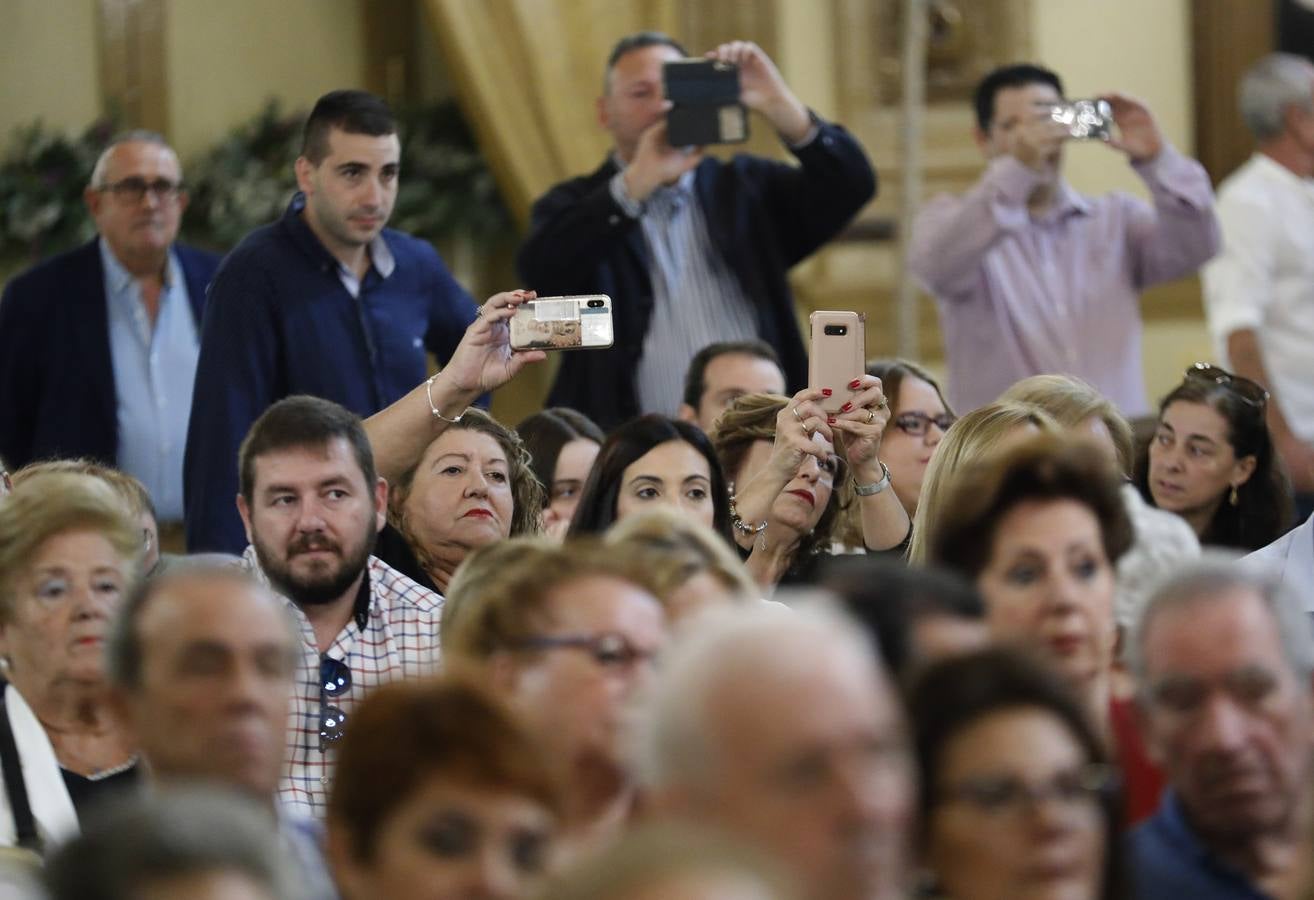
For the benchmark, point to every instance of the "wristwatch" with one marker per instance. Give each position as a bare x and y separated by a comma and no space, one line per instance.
871,490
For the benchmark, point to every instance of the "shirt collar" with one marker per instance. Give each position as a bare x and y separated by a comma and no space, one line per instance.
1271,168
1067,202
680,190
294,222
361,611
120,279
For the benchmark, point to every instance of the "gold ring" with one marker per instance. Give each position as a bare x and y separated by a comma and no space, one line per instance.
797,416
871,416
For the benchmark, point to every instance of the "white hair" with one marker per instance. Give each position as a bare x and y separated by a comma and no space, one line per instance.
1219,576
671,722
136,136
1276,82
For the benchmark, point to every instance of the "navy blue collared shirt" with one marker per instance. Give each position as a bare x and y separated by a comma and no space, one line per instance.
1169,861
279,321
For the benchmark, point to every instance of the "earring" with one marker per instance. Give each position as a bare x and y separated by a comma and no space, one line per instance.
1233,499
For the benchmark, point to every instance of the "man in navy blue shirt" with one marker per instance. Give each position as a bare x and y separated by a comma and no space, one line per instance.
325,301
1224,660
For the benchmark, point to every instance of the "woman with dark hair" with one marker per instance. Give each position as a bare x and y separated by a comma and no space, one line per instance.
654,459
1017,795
471,487
919,417
562,445
1211,461
440,793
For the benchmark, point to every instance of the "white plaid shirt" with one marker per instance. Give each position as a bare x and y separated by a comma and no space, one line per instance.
400,640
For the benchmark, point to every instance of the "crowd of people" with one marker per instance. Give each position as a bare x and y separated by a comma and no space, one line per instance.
281,617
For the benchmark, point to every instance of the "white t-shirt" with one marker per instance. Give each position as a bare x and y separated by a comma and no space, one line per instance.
1263,279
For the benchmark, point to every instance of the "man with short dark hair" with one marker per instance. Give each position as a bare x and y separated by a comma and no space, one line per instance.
692,249
1223,661
721,372
326,301
1031,277
98,346
312,507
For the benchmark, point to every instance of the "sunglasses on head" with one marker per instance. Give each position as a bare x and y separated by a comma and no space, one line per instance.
334,682
1251,392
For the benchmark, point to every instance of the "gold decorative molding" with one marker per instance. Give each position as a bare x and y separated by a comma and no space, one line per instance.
133,80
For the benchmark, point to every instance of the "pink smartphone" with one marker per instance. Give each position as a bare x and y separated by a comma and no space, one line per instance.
837,354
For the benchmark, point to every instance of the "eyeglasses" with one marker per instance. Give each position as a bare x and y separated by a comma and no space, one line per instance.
334,682
914,424
1251,392
1006,796
133,189
609,650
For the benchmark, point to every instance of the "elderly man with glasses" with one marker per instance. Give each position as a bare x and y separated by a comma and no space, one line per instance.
98,346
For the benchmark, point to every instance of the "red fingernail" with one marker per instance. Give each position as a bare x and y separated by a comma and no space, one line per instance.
853,385
846,407
826,392
830,420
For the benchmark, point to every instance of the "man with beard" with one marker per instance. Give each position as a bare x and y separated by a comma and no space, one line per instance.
312,505
778,725
325,301
1223,662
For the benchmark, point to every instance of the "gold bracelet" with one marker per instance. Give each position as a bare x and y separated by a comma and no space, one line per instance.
428,392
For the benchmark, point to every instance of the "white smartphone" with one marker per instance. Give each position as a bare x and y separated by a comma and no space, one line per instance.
563,323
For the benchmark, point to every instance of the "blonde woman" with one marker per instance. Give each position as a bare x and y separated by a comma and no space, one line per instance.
69,552
976,435
691,567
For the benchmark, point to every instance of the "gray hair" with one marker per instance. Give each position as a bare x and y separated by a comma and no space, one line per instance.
124,649
1276,82
135,136
1217,577
671,719
162,835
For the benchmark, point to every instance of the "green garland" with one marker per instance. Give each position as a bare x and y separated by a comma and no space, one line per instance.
245,181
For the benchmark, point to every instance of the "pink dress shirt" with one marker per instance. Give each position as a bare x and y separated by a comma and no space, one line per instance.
1021,296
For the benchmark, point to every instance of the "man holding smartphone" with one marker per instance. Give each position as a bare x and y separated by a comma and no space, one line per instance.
691,249
1031,277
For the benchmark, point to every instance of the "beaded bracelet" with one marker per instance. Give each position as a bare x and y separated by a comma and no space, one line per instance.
738,524
428,392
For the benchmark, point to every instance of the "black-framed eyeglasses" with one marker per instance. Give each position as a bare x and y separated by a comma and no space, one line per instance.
914,424
1005,795
334,682
133,189
609,650
1251,392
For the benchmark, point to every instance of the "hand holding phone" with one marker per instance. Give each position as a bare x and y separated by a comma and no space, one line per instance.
563,323
837,355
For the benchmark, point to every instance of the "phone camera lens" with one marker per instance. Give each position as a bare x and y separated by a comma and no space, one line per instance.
595,304
837,329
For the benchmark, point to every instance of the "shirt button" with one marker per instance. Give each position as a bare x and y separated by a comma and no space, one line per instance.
323,779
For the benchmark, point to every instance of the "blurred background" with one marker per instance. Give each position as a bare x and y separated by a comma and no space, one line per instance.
496,99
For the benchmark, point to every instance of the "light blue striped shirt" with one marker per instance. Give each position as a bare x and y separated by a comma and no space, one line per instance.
153,375
697,299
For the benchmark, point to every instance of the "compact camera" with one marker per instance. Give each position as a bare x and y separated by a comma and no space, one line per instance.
1086,120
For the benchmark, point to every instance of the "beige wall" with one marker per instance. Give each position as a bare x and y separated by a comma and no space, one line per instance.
48,64
1137,47
225,59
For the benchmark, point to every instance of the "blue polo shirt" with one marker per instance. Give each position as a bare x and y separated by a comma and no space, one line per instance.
279,320
1168,862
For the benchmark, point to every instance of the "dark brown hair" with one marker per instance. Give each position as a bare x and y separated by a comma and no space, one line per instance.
1043,468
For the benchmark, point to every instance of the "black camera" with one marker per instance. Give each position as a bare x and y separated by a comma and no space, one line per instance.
705,103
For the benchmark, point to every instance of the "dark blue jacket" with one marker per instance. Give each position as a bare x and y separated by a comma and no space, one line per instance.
762,216
1168,862
57,395
279,322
